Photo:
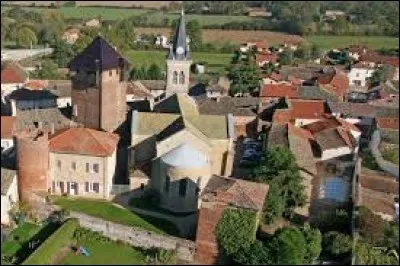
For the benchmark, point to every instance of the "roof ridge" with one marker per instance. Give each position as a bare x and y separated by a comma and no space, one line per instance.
243,192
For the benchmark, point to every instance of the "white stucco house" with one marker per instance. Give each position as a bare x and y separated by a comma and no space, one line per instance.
359,74
9,194
82,162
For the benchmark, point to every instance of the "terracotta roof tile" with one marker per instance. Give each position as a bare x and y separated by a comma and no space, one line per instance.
12,72
279,90
307,108
7,126
36,84
282,116
260,58
84,141
236,192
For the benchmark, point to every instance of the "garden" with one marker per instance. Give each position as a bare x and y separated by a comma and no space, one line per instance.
390,152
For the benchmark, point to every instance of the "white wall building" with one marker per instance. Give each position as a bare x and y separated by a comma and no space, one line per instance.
9,194
359,75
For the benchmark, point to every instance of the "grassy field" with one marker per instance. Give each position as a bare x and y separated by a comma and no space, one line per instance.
105,253
107,211
374,42
109,13
215,62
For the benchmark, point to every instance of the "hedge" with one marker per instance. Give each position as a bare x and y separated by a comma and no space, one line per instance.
47,252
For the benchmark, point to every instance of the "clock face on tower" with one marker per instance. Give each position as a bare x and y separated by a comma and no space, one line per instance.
180,50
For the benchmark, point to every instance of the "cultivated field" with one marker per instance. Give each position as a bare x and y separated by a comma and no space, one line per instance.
232,36
374,42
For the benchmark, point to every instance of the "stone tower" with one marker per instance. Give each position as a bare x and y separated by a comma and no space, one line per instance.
99,81
179,61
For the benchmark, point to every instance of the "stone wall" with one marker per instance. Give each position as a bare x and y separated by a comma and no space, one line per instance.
386,166
137,237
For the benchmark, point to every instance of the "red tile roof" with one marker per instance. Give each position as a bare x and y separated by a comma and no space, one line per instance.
260,58
262,45
337,83
7,126
84,141
12,72
282,116
275,76
380,59
279,90
300,132
308,109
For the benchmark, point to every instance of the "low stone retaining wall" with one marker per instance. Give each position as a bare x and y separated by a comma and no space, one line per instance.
386,166
137,237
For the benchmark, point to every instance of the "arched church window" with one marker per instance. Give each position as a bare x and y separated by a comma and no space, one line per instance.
181,78
175,77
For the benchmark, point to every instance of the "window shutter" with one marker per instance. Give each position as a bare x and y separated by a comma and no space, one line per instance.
86,186
68,187
54,186
87,167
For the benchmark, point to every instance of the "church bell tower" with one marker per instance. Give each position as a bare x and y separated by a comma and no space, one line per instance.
179,61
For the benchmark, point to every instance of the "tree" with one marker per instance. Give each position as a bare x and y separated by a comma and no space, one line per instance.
313,240
47,36
244,77
194,33
26,37
154,72
63,53
286,57
340,26
380,75
48,70
278,168
365,254
335,243
259,253
81,43
371,226
291,246
274,204
391,236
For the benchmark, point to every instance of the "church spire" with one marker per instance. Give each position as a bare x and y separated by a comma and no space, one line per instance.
180,46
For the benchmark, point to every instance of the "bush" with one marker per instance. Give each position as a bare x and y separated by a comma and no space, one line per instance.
371,226
236,230
335,243
291,246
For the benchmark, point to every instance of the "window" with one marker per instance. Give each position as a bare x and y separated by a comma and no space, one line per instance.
96,168
181,78
357,75
62,187
73,166
182,187
96,187
167,183
92,187
357,82
87,167
110,72
117,71
59,164
142,186
175,77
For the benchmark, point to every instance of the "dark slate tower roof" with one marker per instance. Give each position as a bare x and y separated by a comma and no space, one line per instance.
180,41
99,50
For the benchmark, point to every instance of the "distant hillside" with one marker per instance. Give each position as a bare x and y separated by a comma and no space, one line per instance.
144,4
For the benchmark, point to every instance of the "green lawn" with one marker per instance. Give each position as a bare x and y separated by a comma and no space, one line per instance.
109,13
17,239
107,211
216,62
374,42
105,253
146,204
391,154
